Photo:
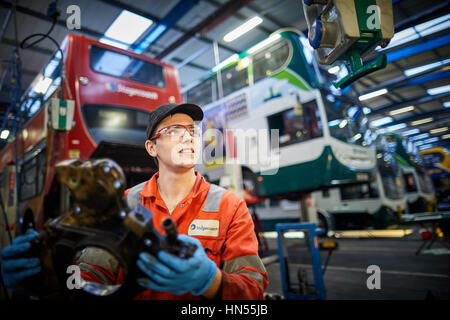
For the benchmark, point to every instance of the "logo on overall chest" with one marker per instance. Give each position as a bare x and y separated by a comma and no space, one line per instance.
204,228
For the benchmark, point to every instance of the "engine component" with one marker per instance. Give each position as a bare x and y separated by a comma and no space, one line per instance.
101,219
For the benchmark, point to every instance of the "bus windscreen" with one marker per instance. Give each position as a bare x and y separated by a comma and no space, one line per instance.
115,124
127,67
297,124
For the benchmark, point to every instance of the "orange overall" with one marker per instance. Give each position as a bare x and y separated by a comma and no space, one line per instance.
220,220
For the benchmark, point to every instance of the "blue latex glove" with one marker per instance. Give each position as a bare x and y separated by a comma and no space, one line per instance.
176,275
16,267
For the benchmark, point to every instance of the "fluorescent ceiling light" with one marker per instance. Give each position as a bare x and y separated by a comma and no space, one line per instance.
371,95
401,110
421,121
413,71
433,26
425,146
445,136
4,135
421,30
114,43
232,58
418,143
42,85
242,29
402,37
334,70
356,136
431,140
420,136
343,123
396,127
352,111
447,104
367,110
438,130
264,43
381,121
438,90
128,27
333,123
410,132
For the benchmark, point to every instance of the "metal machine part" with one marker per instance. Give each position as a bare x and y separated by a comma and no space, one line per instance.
348,31
99,218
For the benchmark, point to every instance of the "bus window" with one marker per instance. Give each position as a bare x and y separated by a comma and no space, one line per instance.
391,177
373,187
393,185
53,67
274,203
116,124
297,124
203,93
122,66
32,175
345,120
431,159
425,183
359,191
234,78
410,183
270,61
345,128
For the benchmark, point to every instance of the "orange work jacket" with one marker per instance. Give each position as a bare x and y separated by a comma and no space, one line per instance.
220,220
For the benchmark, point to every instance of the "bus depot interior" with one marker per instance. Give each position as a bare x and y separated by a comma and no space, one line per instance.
330,118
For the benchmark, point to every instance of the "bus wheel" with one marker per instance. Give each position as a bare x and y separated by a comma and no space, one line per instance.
249,182
27,222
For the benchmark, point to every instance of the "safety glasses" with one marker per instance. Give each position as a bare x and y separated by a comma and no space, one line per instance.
177,131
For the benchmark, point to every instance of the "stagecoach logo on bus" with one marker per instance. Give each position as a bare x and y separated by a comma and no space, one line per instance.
131,91
110,86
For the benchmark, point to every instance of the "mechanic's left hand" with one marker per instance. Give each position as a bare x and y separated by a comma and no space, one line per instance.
178,276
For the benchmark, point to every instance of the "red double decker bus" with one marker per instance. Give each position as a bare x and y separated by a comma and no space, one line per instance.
112,91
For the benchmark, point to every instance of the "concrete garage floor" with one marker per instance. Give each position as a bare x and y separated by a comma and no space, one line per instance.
404,276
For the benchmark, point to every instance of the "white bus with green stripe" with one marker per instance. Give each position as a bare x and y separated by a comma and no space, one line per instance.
375,204
277,84
419,187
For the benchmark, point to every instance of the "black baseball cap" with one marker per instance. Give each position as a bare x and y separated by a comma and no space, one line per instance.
161,112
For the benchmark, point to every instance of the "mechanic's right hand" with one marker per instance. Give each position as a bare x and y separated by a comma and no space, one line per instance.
15,265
